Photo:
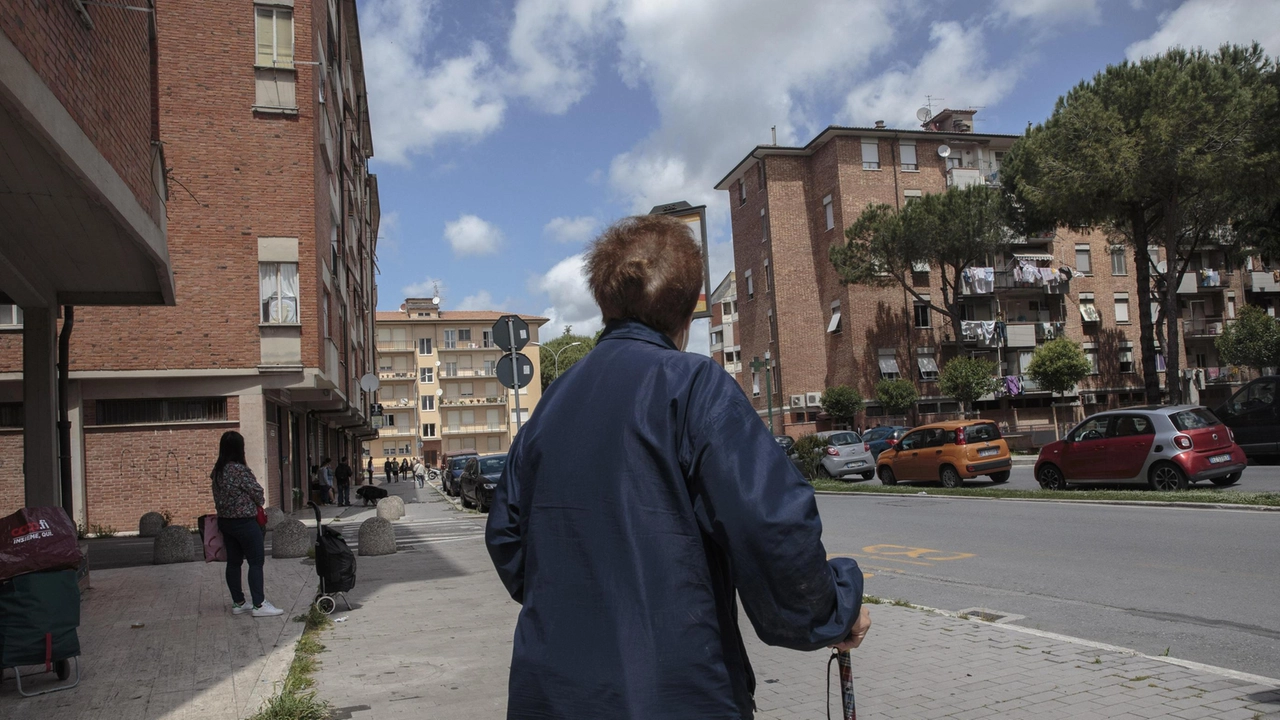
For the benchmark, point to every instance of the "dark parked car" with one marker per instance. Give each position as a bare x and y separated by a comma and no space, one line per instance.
786,442
1253,414
882,438
479,478
455,462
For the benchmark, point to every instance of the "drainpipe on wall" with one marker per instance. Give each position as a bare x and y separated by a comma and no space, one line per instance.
64,422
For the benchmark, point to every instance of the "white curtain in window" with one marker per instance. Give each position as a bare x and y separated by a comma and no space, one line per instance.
267,273
288,292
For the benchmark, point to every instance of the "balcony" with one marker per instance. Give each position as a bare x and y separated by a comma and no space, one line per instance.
482,429
1040,240
1196,281
975,332
384,374
395,431
1204,327
463,346
1262,281
472,401
396,346
1050,284
962,177
468,373
1046,331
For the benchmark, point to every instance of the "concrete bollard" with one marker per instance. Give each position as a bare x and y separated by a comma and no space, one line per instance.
151,524
377,536
173,544
291,539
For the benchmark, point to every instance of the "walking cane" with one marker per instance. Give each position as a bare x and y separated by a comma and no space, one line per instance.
846,685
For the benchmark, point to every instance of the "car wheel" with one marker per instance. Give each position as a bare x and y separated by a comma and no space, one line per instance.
950,478
868,475
1231,479
1051,478
465,502
886,476
1000,477
823,472
1167,477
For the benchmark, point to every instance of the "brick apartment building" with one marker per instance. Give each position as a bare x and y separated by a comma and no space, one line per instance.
789,205
724,321
440,392
272,222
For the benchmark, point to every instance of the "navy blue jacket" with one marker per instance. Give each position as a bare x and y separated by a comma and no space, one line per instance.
641,494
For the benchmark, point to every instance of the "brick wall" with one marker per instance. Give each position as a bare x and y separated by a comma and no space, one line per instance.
13,492
102,76
131,471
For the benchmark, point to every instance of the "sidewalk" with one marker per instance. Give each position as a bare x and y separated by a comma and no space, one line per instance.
431,637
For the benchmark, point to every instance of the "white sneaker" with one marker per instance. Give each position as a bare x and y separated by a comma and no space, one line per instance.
266,609
240,608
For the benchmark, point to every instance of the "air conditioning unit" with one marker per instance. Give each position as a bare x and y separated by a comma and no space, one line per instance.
1089,398
813,399
797,401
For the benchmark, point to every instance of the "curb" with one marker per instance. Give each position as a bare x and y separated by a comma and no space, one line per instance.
1134,503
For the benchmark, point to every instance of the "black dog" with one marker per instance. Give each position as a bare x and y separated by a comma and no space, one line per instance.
370,494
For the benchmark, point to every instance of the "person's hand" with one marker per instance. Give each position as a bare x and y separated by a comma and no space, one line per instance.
858,632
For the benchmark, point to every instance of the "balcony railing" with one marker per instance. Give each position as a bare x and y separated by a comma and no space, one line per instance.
468,345
454,402
1006,280
396,345
1194,281
384,374
395,431
1205,327
467,373
473,429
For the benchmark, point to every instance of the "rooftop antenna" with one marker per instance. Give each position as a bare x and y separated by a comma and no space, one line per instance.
929,100
774,130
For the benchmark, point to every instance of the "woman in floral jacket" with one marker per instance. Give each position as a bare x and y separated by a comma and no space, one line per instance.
237,496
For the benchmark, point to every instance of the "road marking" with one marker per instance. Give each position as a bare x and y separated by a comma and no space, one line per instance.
891,551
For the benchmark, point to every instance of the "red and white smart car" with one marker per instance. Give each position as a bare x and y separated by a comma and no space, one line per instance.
1163,447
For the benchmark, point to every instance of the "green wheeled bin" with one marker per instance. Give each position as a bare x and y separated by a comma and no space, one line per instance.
39,614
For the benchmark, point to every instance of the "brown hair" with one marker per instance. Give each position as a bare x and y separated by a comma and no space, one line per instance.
646,268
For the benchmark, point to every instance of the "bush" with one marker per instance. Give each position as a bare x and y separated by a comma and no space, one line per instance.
809,450
897,396
842,403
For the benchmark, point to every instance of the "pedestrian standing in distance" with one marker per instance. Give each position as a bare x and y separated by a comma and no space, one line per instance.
326,480
387,470
237,497
370,470
628,573
405,471
342,476
420,472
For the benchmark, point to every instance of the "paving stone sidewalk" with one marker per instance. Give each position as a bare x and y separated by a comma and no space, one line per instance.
431,637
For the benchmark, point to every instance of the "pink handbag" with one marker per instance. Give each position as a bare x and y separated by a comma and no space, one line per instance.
214,550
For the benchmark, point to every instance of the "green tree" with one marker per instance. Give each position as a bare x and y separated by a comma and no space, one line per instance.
897,396
808,451
947,232
569,353
1253,340
842,403
968,378
1058,365
1164,152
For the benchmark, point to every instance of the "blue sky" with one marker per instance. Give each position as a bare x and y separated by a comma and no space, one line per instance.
508,132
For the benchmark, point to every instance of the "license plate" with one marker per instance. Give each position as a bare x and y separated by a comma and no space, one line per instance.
854,464
1219,459
988,452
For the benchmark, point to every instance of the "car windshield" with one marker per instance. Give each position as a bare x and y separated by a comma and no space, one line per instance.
1194,419
844,438
876,433
489,466
980,433
457,463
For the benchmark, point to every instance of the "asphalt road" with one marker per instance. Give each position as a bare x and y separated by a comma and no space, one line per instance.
1257,478
1200,583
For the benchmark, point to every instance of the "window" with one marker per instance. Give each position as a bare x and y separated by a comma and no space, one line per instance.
742,191
833,325
1119,265
1126,357
427,374
773,326
768,275
429,402
11,315
274,32
760,176
486,338
450,370
1122,307
731,356
928,366
909,156
424,346
389,420
495,443
490,367
922,315
324,315
829,209
464,335
888,363
428,430
450,339
755,384
1083,263
467,390
278,291
717,337
1091,354
1088,312
870,154
751,286
777,380
179,410
726,308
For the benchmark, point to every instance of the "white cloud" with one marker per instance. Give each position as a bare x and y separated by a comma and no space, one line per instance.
550,46
482,300
565,285
956,65
1211,23
413,106
570,230
430,287
1050,11
469,235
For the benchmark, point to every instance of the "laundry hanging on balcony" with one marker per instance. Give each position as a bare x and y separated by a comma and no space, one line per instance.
978,280
984,332
1209,278
1013,384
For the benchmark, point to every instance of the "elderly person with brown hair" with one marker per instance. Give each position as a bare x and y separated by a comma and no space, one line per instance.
640,497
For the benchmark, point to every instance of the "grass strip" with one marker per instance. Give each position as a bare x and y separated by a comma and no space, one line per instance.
1204,496
296,699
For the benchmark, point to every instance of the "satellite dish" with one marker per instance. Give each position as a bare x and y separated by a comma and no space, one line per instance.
944,151
923,114
1161,267
369,382
435,300
439,392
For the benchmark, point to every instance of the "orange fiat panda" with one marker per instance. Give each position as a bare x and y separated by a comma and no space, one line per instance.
947,452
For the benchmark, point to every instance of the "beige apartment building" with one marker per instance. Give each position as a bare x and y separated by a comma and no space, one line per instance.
439,384
724,319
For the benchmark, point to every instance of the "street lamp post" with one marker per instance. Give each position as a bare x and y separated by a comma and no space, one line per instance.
757,365
556,354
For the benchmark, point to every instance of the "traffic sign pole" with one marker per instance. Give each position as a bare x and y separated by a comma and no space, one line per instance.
511,333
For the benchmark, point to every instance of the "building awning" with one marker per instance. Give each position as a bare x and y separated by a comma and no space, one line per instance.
835,322
888,365
1089,312
1033,256
927,365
